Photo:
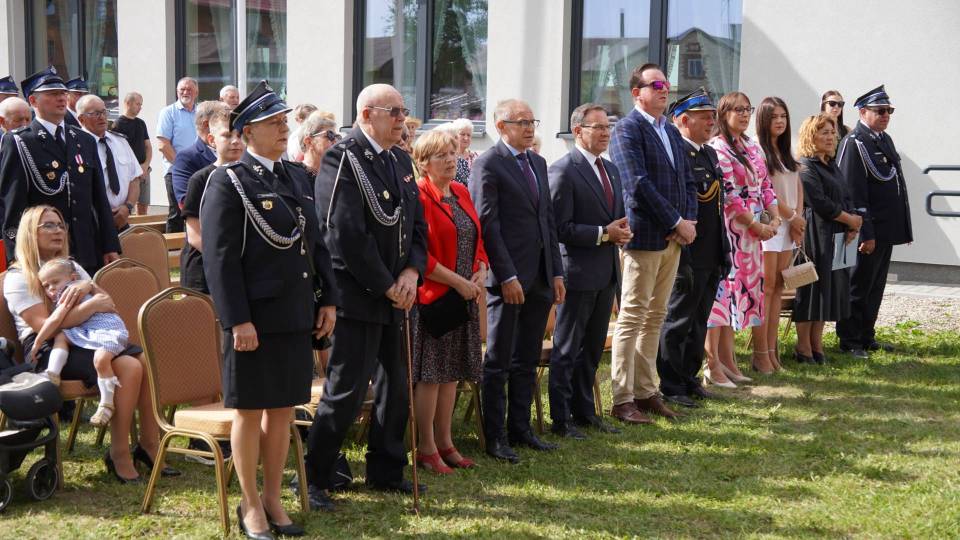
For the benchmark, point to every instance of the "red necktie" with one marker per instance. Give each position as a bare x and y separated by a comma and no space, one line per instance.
607,188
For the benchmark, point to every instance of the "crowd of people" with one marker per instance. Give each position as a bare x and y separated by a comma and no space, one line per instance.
672,217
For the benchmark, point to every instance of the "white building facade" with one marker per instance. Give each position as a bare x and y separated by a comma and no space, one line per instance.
457,58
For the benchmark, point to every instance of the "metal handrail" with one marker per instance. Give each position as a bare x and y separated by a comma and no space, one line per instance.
941,193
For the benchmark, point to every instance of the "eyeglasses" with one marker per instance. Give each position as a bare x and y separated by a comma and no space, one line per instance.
52,226
657,85
831,103
328,135
881,111
598,127
525,124
95,114
396,112
744,110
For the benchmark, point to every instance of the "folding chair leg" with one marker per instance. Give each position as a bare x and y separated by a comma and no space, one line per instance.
597,401
155,474
786,329
364,424
221,484
75,424
537,400
301,467
475,404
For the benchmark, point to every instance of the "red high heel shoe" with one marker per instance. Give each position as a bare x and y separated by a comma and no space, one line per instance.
432,462
464,463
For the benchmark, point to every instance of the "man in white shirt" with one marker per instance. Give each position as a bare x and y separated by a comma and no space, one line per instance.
120,167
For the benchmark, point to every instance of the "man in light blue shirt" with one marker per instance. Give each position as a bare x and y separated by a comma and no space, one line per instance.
175,132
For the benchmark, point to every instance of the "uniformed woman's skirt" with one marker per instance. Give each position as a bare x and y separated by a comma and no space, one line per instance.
277,374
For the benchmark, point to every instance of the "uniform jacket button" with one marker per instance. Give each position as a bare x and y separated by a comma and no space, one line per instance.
304,275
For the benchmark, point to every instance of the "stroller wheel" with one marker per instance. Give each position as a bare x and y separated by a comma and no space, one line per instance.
42,480
6,493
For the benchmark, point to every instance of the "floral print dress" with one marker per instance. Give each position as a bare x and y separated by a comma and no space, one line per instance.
739,300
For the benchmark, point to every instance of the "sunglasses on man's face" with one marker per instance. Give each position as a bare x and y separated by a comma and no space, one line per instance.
881,111
396,112
832,103
657,85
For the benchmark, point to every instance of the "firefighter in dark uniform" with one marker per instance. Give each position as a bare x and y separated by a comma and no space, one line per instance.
870,162
373,224
49,162
271,282
76,88
702,263
8,88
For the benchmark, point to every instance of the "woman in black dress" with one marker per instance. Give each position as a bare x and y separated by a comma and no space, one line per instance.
264,260
829,211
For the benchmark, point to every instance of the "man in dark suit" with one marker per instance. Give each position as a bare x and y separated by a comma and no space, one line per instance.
870,163
48,162
508,184
373,223
198,156
702,263
588,209
661,201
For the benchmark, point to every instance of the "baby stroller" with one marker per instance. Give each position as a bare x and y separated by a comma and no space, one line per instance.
28,401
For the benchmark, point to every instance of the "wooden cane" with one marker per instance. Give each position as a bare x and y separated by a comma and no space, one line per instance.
412,418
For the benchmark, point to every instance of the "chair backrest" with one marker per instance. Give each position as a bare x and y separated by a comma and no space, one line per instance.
7,327
181,342
146,245
130,284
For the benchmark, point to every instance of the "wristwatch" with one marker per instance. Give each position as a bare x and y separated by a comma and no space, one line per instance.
605,237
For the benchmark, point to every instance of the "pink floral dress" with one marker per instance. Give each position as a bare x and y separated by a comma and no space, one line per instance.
739,301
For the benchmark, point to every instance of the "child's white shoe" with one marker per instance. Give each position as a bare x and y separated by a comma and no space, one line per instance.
102,416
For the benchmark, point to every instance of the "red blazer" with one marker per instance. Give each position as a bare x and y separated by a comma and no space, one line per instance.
442,235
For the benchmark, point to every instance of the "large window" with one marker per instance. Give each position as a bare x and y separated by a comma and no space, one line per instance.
433,51
79,38
696,41
209,51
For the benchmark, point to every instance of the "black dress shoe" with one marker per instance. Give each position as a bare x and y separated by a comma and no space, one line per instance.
819,358
596,423
877,346
397,486
500,450
530,440
699,392
290,529
855,352
318,499
568,431
141,455
681,400
803,359
264,535
112,469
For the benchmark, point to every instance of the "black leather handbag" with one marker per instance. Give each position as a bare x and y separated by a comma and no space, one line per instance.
444,314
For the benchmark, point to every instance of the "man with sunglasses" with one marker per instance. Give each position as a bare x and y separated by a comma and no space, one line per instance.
660,196
871,165
49,162
373,225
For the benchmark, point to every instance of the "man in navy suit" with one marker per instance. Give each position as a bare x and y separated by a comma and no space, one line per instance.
508,184
588,209
660,197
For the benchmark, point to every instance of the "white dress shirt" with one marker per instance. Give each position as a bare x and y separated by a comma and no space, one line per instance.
52,128
128,169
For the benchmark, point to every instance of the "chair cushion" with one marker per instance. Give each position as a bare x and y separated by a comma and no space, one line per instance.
212,418
75,389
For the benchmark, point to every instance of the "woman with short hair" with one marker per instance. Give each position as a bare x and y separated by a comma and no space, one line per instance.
830,212
447,346
318,134
462,129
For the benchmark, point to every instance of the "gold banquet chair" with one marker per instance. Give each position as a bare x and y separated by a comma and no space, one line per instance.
181,340
147,245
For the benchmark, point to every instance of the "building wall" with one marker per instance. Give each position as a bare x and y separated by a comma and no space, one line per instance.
797,50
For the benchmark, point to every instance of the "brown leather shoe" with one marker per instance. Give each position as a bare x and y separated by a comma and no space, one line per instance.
655,405
628,413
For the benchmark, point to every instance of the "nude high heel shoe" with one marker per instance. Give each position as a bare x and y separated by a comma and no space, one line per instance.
707,379
733,376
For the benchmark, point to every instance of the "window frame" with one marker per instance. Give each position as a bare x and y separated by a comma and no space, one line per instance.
79,44
424,75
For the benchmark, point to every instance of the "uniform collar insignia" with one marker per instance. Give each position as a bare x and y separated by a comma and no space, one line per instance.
408,178
42,134
258,168
368,154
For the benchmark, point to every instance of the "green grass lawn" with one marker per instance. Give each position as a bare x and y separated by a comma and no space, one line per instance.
856,449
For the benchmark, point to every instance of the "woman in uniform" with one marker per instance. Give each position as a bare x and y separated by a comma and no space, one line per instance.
271,281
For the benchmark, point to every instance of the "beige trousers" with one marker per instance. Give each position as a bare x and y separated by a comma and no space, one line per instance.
647,283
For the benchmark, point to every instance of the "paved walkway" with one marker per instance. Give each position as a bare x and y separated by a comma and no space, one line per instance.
928,290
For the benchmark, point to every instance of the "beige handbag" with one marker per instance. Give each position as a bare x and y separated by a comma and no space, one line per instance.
798,275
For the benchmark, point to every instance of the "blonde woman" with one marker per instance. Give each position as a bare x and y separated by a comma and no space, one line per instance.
318,134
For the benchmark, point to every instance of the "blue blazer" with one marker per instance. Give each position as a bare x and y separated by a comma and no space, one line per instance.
516,232
656,193
579,208
187,162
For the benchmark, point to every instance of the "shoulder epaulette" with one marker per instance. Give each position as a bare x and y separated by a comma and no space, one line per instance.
21,129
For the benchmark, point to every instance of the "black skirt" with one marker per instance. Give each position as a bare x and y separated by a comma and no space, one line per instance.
79,365
278,374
